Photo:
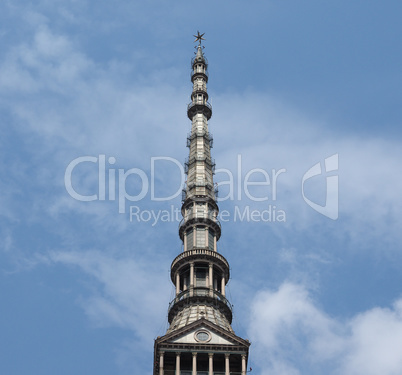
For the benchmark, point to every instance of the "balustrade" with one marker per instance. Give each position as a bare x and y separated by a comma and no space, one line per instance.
199,292
200,215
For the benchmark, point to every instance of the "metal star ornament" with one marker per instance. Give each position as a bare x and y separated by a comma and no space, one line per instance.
198,37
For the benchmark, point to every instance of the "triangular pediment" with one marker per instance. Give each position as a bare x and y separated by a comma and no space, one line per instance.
203,335
203,332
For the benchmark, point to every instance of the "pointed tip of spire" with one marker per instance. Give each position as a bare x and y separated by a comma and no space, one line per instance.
199,54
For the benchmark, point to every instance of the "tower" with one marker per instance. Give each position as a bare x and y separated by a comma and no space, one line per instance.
200,339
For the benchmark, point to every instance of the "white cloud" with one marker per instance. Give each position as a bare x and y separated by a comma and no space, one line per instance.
292,334
131,294
375,342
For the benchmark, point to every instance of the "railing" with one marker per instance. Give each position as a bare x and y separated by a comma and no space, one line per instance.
195,57
208,136
216,191
200,157
193,73
200,215
199,102
199,292
207,185
202,106
200,183
200,251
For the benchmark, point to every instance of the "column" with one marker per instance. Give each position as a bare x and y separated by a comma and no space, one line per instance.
191,278
223,285
177,283
243,364
227,367
211,363
194,363
177,363
185,241
211,279
161,363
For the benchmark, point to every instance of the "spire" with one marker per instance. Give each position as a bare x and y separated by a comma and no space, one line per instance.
200,335
200,228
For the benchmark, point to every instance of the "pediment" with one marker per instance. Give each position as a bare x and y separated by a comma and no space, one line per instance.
203,332
202,335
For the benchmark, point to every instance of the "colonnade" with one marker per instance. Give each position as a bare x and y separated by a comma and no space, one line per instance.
209,281
210,363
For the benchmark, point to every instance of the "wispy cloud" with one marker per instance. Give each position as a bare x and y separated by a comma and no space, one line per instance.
129,293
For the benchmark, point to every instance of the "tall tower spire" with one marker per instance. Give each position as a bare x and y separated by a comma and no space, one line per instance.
200,339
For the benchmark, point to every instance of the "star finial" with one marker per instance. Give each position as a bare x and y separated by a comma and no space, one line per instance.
198,37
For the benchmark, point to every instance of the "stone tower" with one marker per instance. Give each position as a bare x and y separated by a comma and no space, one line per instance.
200,339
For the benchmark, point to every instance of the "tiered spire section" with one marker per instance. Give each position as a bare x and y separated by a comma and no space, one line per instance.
200,333
199,166
201,272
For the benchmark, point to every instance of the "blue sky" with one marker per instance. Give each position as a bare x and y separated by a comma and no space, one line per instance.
85,290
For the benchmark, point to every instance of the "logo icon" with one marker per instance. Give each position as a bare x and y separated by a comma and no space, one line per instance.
330,209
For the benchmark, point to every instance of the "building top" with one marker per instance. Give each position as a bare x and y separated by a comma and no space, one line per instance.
200,336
